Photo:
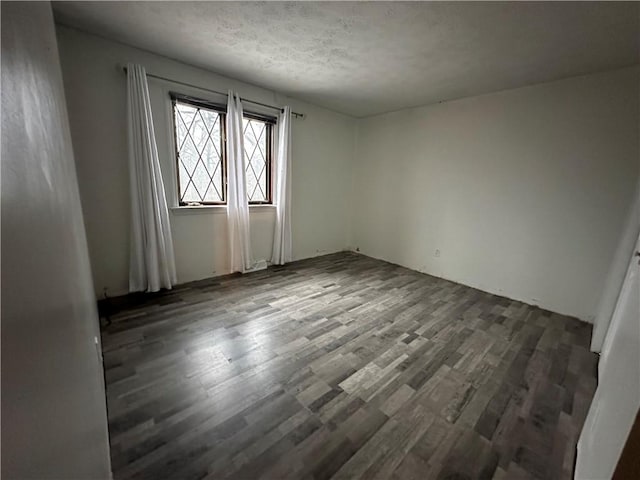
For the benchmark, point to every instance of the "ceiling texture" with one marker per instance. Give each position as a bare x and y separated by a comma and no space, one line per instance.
366,58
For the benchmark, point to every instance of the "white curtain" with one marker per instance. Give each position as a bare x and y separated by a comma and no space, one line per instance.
282,236
152,264
237,200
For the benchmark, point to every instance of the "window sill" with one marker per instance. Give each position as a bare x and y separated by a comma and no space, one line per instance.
216,209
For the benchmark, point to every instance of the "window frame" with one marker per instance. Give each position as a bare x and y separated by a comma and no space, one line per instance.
221,110
270,123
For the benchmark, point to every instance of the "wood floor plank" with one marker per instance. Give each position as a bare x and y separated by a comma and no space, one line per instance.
343,366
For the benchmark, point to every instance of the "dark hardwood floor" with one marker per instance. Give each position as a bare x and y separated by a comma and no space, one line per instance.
347,367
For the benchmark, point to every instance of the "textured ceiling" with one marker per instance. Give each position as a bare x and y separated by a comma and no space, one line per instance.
374,57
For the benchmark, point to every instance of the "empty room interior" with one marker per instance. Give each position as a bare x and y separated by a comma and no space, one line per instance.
313,240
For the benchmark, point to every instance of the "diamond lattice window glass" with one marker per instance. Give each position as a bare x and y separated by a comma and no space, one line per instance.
199,148
257,145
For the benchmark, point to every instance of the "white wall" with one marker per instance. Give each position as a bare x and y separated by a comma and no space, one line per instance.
323,146
617,398
616,273
523,192
54,420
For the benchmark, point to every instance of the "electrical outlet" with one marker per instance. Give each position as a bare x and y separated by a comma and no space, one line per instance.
436,253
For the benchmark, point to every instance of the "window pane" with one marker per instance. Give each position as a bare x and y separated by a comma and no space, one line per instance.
256,159
198,143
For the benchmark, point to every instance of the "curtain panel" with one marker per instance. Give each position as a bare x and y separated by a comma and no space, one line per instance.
151,263
241,258
281,253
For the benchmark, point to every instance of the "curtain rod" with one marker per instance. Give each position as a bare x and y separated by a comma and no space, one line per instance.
295,114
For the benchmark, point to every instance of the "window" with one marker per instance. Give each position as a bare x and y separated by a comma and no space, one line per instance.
257,155
200,152
199,128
